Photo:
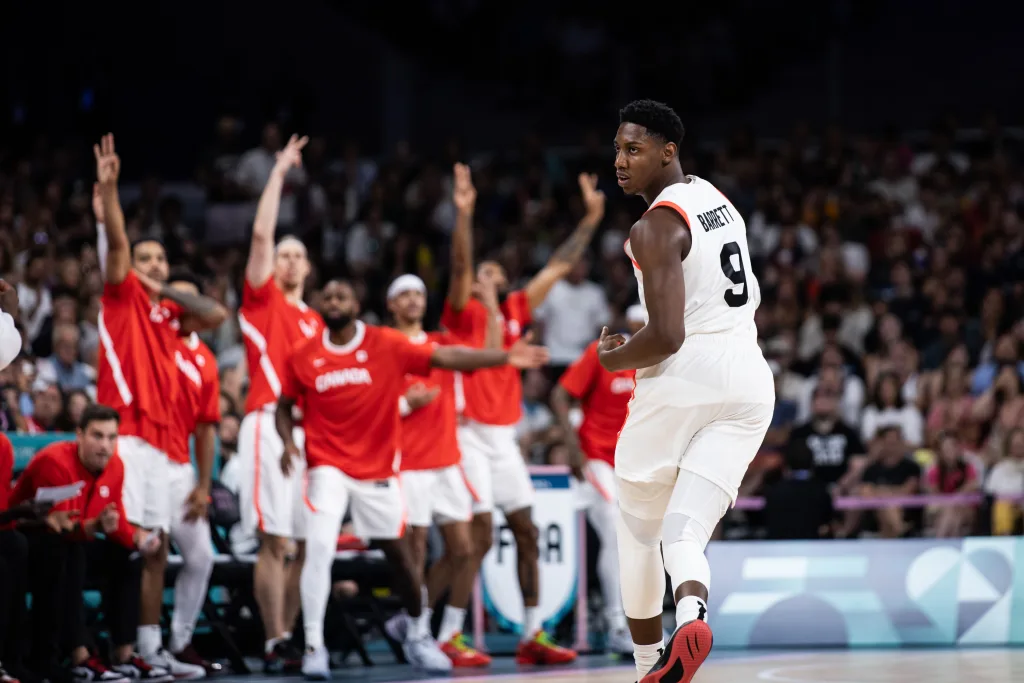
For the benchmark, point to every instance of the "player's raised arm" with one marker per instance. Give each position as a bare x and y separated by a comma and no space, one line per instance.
261,252
571,251
464,196
659,242
199,312
108,170
520,355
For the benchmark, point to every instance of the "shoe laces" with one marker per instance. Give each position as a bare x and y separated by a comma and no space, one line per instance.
542,638
458,641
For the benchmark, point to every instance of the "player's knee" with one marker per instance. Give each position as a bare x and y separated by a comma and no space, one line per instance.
645,532
460,550
483,536
526,536
680,528
274,548
300,553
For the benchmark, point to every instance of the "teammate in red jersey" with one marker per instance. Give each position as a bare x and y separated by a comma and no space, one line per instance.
433,484
490,452
273,319
603,397
139,324
196,412
350,380
56,571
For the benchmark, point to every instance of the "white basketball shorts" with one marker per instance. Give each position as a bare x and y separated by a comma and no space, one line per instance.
269,501
377,507
145,493
707,414
494,467
439,495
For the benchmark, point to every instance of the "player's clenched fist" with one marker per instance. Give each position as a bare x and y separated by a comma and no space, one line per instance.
607,343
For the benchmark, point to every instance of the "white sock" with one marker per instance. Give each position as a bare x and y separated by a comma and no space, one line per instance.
419,627
269,645
424,598
150,640
646,656
453,622
286,636
315,580
531,623
689,608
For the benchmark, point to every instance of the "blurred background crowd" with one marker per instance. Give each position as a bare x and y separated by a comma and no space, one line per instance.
891,258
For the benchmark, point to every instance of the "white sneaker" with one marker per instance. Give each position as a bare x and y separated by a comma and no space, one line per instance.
425,654
397,627
181,671
316,664
619,641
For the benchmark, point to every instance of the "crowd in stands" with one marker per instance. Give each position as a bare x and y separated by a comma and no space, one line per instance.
891,266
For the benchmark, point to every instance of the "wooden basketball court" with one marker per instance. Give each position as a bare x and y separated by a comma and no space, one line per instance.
840,666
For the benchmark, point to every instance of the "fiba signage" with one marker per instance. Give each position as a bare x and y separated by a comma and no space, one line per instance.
557,519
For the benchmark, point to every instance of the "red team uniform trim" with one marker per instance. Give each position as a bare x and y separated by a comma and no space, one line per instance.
494,395
350,394
137,374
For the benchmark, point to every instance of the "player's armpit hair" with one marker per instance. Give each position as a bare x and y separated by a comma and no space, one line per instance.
658,118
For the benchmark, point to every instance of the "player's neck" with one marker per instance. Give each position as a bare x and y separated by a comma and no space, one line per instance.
410,328
344,335
292,295
673,175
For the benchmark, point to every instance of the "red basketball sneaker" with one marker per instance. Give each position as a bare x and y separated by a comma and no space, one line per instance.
686,650
542,650
462,655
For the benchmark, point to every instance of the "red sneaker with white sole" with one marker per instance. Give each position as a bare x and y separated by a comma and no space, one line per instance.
686,650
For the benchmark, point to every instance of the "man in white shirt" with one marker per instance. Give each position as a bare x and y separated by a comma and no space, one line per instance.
573,314
10,337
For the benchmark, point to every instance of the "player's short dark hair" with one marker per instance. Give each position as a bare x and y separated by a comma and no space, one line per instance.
143,240
658,118
97,412
182,275
343,281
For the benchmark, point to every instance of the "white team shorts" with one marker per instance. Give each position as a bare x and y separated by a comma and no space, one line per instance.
181,480
439,495
377,507
145,493
269,501
494,467
707,415
598,485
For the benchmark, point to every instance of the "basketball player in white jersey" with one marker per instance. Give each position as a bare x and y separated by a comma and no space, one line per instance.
704,393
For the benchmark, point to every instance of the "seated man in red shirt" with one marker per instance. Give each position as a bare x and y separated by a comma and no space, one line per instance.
57,561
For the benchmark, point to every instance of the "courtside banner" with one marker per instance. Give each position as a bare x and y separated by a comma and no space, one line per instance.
557,519
868,593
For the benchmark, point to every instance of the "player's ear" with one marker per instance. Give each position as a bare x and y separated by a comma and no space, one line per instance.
668,153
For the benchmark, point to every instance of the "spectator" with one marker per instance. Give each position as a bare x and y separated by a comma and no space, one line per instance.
572,315
837,454
951,473
892,475
63,368
47,409
1005,483
799,507
887,409
77,401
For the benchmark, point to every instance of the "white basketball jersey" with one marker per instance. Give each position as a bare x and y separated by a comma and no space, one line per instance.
721,290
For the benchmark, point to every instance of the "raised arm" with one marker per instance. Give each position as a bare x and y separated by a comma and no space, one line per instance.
572,250
520,355
659,241
261,252
464,197
119,251
200,312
